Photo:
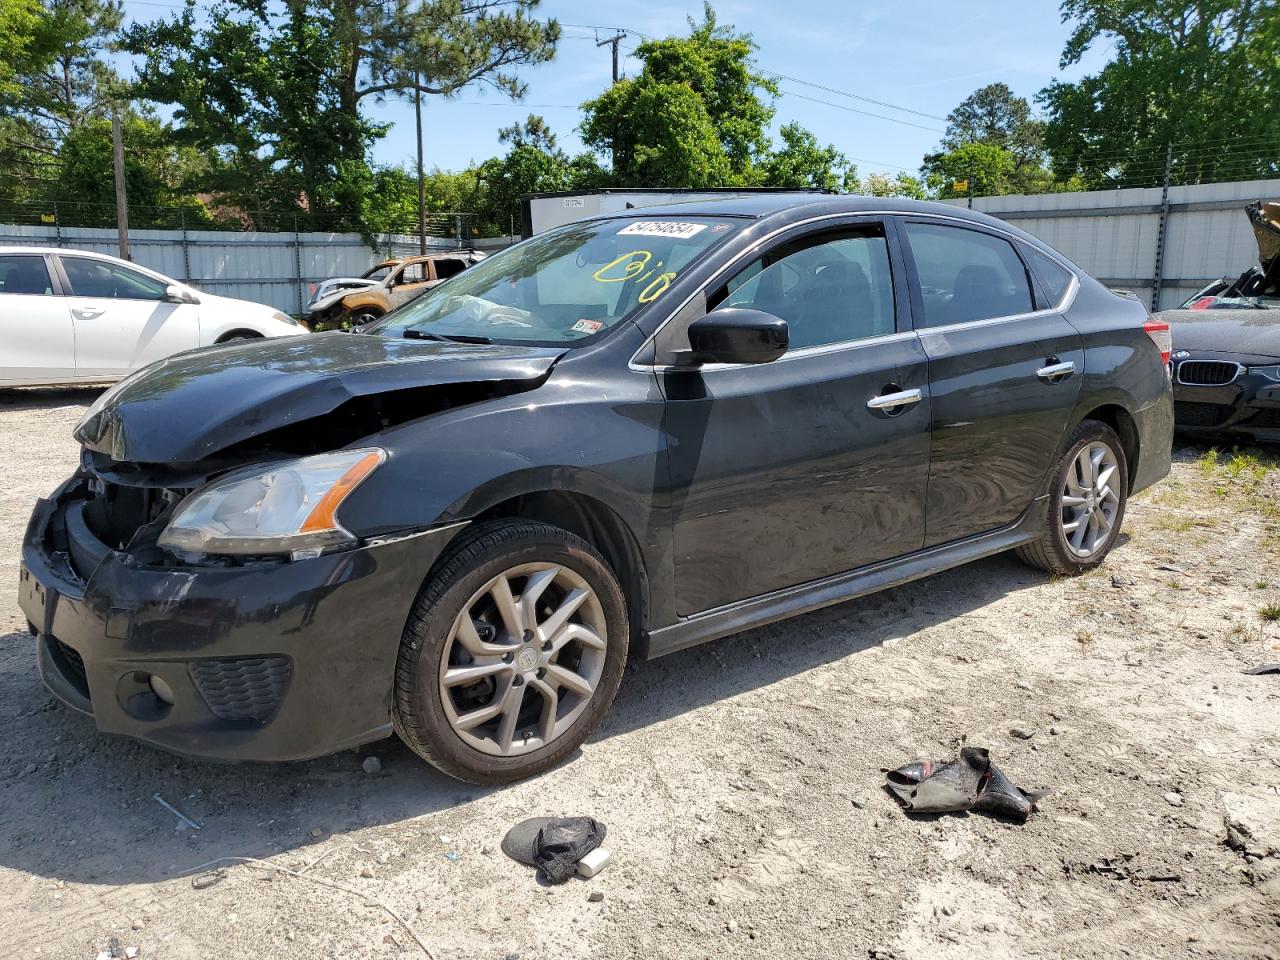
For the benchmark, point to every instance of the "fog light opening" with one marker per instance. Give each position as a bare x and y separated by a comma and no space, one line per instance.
163,692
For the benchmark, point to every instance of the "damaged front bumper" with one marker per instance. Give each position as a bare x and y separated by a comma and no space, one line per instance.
266,660
1247,406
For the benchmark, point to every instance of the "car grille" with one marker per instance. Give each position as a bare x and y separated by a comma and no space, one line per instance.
1207,373
1199,414
245,689
72,665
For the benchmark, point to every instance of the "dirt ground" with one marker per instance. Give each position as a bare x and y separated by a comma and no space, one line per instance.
740,781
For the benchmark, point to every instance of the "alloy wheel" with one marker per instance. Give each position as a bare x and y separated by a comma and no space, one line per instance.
523,659
1090,504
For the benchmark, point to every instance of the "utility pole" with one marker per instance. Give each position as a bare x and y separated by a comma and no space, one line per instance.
613,41
122,200
1162,232
422,185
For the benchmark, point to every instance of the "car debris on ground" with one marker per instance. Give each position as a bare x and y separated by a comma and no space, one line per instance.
972,782
558,846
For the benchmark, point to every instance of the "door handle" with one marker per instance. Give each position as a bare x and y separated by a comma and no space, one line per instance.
895,401
1055,372
88,313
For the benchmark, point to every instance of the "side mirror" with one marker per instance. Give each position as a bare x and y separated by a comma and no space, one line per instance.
176,294
738,335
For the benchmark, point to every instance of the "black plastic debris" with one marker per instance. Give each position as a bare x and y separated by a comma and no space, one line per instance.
553,844
972,782
1121,867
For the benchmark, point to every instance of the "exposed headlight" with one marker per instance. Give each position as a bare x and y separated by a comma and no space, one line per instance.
284,318
1271,373
288,508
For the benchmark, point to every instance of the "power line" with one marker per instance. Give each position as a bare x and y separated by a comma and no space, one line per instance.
865,113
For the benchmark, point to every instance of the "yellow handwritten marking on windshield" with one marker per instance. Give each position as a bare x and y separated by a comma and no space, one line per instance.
633,264
657,287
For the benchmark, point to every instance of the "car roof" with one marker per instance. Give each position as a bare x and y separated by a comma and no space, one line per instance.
760,205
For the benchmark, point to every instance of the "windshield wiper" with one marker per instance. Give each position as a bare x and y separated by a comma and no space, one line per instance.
456,338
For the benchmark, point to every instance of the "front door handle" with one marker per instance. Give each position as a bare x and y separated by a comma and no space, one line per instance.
895,401
1056,372
88,313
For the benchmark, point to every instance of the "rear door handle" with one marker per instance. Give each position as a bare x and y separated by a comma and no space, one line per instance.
88,313
895,401
1057,371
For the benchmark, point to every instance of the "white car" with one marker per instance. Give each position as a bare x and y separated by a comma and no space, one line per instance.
70,316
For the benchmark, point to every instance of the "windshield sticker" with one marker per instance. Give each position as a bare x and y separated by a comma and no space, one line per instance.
662,228
587,326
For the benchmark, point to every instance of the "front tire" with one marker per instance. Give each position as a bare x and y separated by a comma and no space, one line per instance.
1087,500
512,654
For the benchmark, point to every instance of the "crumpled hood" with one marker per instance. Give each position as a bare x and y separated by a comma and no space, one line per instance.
1251,333
191,405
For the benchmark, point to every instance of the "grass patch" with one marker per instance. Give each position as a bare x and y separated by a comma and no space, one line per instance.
1208,462
1270,613
1261,585
1085,638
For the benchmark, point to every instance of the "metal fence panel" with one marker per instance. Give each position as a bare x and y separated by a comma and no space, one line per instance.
1115,234
279,269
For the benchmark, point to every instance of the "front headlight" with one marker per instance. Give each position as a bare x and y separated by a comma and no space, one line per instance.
288,508
284,318
1271,373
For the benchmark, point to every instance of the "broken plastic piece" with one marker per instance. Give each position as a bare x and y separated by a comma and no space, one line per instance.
972,782
594,862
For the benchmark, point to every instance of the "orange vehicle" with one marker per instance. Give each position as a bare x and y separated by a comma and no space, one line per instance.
346,302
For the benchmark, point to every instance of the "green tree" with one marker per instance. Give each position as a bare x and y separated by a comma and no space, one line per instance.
66,79
533,132
19,20
527,169
693,117
883,185
992,116
53,79
278,93
157,174
1201,76
980,169
803,163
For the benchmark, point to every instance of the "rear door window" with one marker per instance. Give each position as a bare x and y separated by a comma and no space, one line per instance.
25,274
412,273
967,275
447,267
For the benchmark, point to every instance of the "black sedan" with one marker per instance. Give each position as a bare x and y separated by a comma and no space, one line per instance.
1227,373
617,439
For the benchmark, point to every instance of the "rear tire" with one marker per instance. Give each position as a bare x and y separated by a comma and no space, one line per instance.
512,654
1087,498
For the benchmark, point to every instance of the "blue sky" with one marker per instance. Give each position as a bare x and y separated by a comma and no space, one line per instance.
926,56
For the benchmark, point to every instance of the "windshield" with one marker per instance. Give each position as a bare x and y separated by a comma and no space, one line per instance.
562,286
378,273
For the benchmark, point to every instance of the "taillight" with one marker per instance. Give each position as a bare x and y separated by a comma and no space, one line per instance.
1161,336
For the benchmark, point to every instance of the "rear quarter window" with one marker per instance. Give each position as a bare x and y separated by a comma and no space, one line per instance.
1053,277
